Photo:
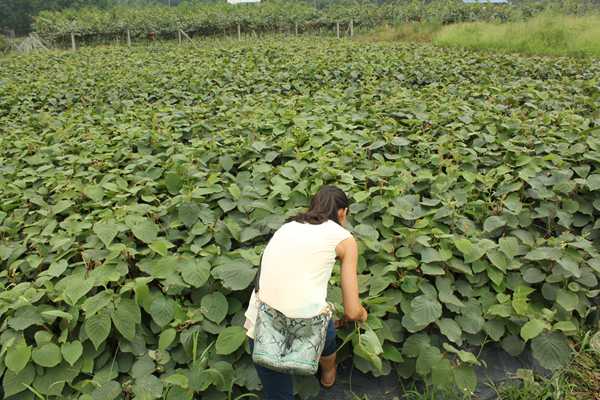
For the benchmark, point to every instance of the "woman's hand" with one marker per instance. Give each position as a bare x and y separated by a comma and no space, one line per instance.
340,323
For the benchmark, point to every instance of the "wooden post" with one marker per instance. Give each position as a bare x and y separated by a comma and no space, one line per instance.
296,28
337,29
351,28
128,38
179,36
73,45
239,31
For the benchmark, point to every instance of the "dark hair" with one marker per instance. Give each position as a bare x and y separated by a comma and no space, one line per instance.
323,206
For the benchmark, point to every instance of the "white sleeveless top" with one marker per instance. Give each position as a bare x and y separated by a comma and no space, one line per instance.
296,267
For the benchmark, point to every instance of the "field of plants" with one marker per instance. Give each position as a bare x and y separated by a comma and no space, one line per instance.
139,186
283,16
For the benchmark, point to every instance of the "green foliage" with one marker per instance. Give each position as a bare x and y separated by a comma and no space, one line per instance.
547,34
139,187
280,15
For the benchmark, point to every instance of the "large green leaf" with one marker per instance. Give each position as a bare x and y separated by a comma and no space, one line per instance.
425,310
106,231
71,351
214,306
236,275
97,327
532,329
14,383
230,339
125,317
47,355
17,357
194,272
551,350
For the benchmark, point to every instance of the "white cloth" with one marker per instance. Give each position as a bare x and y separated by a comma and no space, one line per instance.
296,267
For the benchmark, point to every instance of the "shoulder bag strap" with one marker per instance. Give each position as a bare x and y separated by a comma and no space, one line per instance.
257,279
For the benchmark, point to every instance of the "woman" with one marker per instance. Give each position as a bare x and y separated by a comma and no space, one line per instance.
296,267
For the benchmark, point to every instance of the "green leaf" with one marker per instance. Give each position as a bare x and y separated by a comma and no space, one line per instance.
145,230
177,380
425,310
442,374
162,310
367,232
106,231
97,327
214,306
71,351
94,192
165,338
593,181
107,391
513,345
188,213
567,300
236,275
428,358
97,302
492,223
470,251
532,329
451,330
16,383
544,253
465,379
47,355
230,339
551,350
464,356
361,196
173,182
415,343
125,317
57,314
520,300
509,246
194,272
76,286
17,356
161,247
249,233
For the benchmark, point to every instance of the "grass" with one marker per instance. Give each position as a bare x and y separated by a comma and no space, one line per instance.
413,32
545,34
580,380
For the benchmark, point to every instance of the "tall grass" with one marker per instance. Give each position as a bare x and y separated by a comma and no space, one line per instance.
410,32
544,34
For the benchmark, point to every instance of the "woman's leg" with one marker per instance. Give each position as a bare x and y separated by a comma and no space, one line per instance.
328,359
276,385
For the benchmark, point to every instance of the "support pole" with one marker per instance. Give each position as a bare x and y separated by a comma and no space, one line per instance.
337,29
296,28
185,35
128,38
351,28
239,31
73,45
179,36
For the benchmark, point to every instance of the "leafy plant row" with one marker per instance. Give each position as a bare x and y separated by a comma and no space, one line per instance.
139,187
214,18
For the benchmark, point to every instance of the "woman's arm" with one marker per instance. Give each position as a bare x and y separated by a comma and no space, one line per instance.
347,252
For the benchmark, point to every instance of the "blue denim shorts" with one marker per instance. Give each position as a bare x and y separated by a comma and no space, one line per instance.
279,386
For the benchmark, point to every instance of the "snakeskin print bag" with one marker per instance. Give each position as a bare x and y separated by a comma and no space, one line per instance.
289,345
